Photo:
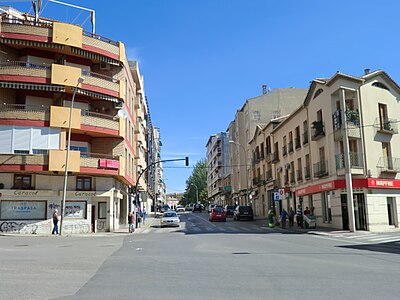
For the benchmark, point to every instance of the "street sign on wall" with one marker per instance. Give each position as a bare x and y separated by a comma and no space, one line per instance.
279,194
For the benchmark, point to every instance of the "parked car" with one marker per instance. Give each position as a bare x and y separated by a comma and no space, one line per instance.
229,210
217,214
180,208
170,218
164,208
210,207
243,212
197,207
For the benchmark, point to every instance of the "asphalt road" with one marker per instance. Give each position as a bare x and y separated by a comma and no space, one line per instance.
201,260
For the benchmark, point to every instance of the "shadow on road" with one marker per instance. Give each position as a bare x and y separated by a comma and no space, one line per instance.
391,247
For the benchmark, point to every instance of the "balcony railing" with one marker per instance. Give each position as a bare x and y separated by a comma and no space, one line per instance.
268,157
389,164
292,178
284,150
388,126
318,130
297,142
320,169
307,173
356,160
268,175
299,175
290,146
305,137
275,157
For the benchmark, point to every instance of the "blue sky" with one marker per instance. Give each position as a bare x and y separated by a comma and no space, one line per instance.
202,59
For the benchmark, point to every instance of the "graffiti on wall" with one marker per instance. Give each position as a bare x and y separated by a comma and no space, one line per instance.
76,227
18,227
53,206
101,225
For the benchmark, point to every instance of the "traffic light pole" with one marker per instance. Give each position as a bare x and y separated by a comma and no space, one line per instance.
186,159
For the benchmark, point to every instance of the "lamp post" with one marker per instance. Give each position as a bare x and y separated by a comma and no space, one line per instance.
80,80
247,176
197,192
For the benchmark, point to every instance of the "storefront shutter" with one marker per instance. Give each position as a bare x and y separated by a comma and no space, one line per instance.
22,138
5,139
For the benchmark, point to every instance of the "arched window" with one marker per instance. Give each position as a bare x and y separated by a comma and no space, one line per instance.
317,93
380,85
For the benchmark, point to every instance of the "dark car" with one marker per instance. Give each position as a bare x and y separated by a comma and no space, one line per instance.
197,207
243,212
229,209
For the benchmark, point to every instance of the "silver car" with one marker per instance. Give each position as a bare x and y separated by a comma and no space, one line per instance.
170,218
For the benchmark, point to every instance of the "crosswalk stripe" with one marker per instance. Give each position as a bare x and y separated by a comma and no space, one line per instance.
384,238
359,237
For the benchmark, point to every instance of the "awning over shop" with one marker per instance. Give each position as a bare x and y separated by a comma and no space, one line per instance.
31,43
94,56
31,86
98,95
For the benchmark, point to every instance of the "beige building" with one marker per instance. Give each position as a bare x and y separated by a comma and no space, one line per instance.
269,105
344,134
40,66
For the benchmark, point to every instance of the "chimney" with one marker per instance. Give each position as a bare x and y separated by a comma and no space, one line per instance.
264,87
367,71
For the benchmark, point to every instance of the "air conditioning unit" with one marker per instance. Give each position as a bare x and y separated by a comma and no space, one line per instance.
104,66
287,166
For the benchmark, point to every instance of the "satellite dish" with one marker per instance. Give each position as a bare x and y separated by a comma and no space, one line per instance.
122,114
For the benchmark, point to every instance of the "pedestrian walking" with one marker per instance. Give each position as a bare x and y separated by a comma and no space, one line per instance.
144,215
130,222
307,211
299,216
56,218
291,217
283,218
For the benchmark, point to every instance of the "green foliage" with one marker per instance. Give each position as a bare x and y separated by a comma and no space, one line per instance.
197,178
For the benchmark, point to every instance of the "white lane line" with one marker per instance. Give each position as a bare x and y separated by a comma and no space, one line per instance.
360,237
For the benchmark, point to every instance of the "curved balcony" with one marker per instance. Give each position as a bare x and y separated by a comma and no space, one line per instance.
23,32
22,71
42,113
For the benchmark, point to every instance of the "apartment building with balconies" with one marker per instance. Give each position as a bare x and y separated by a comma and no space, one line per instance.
218,159
344,133
261,109
40,63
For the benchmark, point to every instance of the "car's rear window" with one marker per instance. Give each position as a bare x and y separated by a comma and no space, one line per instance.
245,208
218,209
170,214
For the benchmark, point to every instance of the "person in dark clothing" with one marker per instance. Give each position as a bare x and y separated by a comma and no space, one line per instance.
56,218
130,221
283,218
291,217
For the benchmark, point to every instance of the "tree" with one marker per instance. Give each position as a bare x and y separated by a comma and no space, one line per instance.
197,178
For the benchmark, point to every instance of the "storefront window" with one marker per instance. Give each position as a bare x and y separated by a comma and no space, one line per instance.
102,210
22,182
23,210
75,209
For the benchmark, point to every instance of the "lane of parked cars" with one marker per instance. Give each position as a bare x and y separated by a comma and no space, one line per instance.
216,212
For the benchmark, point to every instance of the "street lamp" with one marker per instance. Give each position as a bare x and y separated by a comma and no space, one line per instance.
80,80
197,192
247,176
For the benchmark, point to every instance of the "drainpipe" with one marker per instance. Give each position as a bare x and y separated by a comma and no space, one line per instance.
347,165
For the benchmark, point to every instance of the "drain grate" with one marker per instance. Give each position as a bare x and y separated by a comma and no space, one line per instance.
21,245
241,253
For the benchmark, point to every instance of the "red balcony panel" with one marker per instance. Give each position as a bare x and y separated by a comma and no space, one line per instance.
28,168
33,123
28,79
88,170
100,51
102,130
101,90
26,37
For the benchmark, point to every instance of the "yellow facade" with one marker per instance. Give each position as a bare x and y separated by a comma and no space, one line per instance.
57,160
65,75
67,34
59,117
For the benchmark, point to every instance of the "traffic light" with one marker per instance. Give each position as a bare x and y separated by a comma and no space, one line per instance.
186,161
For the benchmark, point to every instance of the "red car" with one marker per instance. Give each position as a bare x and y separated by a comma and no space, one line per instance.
217,214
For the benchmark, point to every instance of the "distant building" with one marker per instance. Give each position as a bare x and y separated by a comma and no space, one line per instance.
218,167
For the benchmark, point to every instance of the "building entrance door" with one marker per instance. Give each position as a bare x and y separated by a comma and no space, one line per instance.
345,212
360,212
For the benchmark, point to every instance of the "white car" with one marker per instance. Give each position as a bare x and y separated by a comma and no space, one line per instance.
170,218
180,208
